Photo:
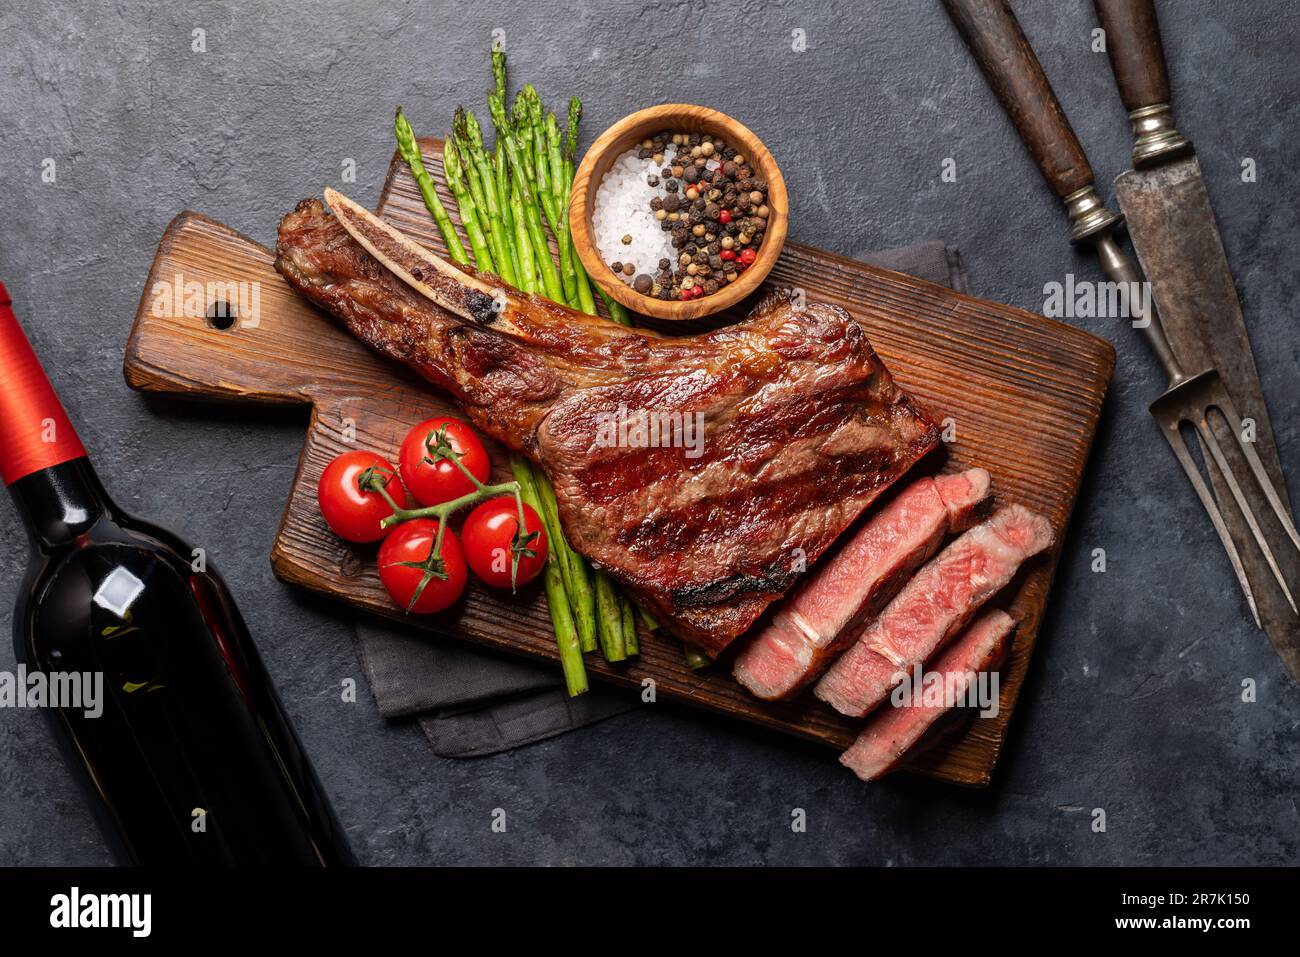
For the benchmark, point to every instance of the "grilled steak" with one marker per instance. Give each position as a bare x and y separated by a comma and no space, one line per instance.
820,618
893,731
936,604
802,425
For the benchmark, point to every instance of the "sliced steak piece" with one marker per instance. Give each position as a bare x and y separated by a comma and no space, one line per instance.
892,731
802,425
819,619
936,604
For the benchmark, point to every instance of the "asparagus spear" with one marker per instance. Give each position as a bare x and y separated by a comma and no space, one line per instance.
499,72
586,302
410,151
566,636
612,644
631,644
468,210
541,164
559,206
523,245
502,172
581,592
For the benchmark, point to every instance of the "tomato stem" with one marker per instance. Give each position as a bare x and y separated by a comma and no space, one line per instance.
445,510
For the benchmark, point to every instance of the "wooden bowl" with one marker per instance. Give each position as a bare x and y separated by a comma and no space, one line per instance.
624,135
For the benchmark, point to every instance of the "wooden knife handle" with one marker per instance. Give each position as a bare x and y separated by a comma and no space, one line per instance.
994,36
1136,55
1138,59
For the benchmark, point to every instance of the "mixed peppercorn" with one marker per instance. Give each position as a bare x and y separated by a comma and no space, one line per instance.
714,206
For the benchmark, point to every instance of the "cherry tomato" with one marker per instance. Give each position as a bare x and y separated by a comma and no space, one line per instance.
490,540
352,512
433,483
414,579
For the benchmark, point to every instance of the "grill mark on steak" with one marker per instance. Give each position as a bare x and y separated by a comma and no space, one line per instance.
804,426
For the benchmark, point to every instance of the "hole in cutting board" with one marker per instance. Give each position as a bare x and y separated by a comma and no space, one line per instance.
221,314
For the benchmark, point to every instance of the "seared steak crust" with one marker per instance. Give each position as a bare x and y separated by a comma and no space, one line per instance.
802,425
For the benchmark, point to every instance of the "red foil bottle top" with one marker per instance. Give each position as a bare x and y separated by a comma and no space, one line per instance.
35,432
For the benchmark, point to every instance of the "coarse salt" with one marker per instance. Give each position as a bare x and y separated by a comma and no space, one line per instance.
622,209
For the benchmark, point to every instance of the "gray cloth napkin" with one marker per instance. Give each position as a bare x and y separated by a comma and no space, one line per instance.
471,701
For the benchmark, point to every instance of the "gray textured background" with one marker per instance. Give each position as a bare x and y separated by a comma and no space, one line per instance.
1132,703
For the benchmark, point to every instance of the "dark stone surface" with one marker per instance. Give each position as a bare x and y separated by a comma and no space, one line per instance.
1133,703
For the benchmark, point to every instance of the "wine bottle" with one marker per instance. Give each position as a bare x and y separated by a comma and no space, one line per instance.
188,755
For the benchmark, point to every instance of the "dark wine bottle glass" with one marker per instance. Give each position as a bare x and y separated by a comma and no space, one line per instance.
186,750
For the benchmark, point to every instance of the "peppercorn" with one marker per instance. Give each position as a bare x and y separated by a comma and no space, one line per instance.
691,174
712,210
698,230
671,185
672,202
710,287
627,239
628,269
678,169
664,264
660,215
642,283
715,262
652,180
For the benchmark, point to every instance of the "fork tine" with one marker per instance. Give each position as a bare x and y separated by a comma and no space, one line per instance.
1185,459
1224,404
1211,441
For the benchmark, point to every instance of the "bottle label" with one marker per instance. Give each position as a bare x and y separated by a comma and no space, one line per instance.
35,432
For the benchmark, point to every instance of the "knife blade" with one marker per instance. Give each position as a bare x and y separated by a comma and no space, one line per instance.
1173,230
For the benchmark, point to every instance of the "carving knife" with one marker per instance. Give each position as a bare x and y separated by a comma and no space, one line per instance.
1173,229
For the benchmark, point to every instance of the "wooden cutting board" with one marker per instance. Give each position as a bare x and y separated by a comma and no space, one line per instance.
1020,395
